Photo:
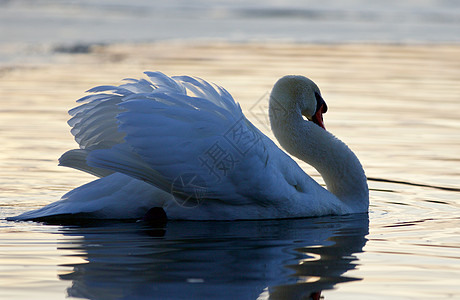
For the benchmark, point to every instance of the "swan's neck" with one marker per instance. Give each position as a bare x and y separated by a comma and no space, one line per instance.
337,164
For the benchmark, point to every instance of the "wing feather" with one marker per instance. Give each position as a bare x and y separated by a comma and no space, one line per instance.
161,81
76,159
168,128
110,88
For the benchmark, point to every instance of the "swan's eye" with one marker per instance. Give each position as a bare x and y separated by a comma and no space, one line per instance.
320,102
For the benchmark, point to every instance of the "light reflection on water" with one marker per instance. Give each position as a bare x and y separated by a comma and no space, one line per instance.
396,106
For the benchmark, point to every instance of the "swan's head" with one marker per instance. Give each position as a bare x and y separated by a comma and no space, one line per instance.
297,94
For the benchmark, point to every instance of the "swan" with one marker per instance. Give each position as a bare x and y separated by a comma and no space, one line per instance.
182,146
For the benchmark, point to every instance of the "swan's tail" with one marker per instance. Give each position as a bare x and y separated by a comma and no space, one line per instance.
116,196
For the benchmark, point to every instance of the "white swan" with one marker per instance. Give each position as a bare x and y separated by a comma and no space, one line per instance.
182,144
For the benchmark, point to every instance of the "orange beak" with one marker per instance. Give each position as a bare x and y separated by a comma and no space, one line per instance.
318,117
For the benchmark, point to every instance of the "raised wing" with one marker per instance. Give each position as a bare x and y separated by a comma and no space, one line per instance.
181,134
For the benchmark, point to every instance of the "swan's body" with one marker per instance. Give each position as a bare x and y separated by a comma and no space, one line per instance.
184,145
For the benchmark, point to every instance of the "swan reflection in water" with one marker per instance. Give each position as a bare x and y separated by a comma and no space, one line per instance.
274,259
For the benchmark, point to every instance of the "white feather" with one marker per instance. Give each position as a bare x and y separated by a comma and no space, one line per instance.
168,140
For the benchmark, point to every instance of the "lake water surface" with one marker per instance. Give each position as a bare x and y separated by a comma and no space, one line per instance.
396,106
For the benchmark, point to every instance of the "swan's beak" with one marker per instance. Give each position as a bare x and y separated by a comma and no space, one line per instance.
317,118
321,108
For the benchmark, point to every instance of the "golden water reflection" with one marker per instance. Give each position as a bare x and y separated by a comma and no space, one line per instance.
397,106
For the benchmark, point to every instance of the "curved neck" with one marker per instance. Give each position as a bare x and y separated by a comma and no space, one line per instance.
337,164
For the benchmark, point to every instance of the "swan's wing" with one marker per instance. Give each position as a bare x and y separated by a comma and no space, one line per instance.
187,137
94,122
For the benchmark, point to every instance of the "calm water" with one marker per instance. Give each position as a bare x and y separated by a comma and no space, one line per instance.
396,105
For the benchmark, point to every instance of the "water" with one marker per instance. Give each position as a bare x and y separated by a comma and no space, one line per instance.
395,104
30,30
217,260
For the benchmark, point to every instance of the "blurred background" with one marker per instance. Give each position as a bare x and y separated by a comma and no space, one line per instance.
35,27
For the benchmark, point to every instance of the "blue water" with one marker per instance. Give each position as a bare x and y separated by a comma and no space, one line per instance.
289,259
308,21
